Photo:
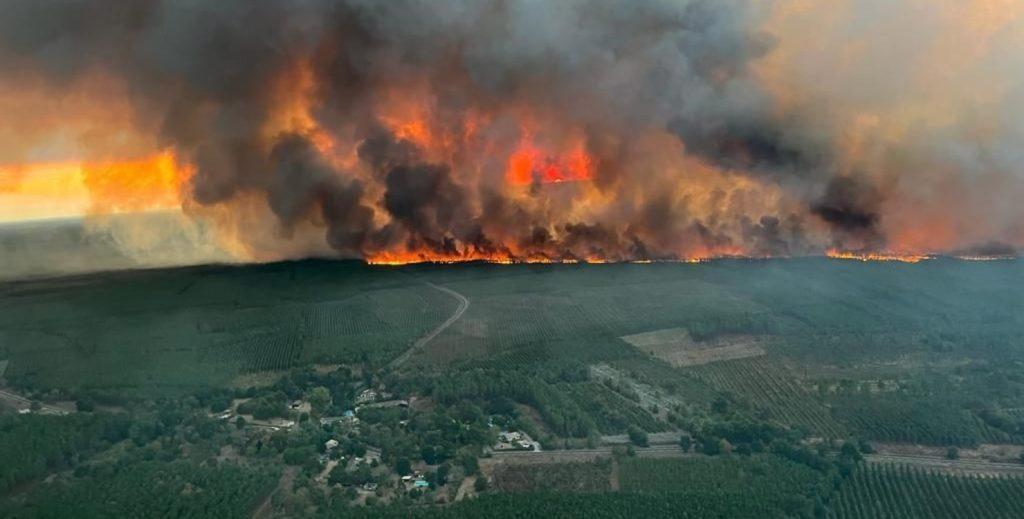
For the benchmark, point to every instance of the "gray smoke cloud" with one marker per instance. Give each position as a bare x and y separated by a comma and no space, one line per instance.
690,149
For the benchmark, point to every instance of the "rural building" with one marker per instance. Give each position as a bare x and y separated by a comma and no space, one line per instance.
366,397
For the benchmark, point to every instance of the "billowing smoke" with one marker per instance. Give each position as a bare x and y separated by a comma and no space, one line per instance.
542,130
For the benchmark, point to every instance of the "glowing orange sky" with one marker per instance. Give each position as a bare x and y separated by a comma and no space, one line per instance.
75,189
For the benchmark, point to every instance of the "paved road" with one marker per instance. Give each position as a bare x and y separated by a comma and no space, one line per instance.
422,341
581,454
24,403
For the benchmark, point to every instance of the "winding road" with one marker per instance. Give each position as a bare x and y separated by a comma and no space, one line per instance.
422,341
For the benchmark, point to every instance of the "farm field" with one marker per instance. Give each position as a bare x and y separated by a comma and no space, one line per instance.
901,491
764,485
560,477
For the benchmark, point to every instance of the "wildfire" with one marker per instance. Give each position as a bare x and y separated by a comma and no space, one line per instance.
76,188
418,257
528,164
877,256
393,259
997,257
150,183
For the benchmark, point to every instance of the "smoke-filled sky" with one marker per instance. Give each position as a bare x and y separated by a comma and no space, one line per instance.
524,129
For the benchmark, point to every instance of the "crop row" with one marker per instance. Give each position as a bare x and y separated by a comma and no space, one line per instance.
769,386
882,491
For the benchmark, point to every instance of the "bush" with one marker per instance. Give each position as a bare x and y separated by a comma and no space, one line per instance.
404,467
481,484
638,437
220,403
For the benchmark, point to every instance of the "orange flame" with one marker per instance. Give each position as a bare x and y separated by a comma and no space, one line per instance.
529,163
876,256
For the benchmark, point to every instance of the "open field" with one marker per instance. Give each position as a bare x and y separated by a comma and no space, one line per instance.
676,347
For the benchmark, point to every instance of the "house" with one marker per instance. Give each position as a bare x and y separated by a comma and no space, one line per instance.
515,440
348,418
367,396
370,486
510,437
331,444
280,423
372,455
327,420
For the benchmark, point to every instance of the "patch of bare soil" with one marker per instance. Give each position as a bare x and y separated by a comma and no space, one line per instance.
258,379
676,347
466,488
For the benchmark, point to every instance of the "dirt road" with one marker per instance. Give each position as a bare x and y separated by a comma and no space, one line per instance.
465,488
941,464
287,478
422,341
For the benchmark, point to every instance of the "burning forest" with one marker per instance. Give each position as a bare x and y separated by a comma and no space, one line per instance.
529,131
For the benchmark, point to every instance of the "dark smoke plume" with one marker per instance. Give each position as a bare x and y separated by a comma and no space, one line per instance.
644,129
